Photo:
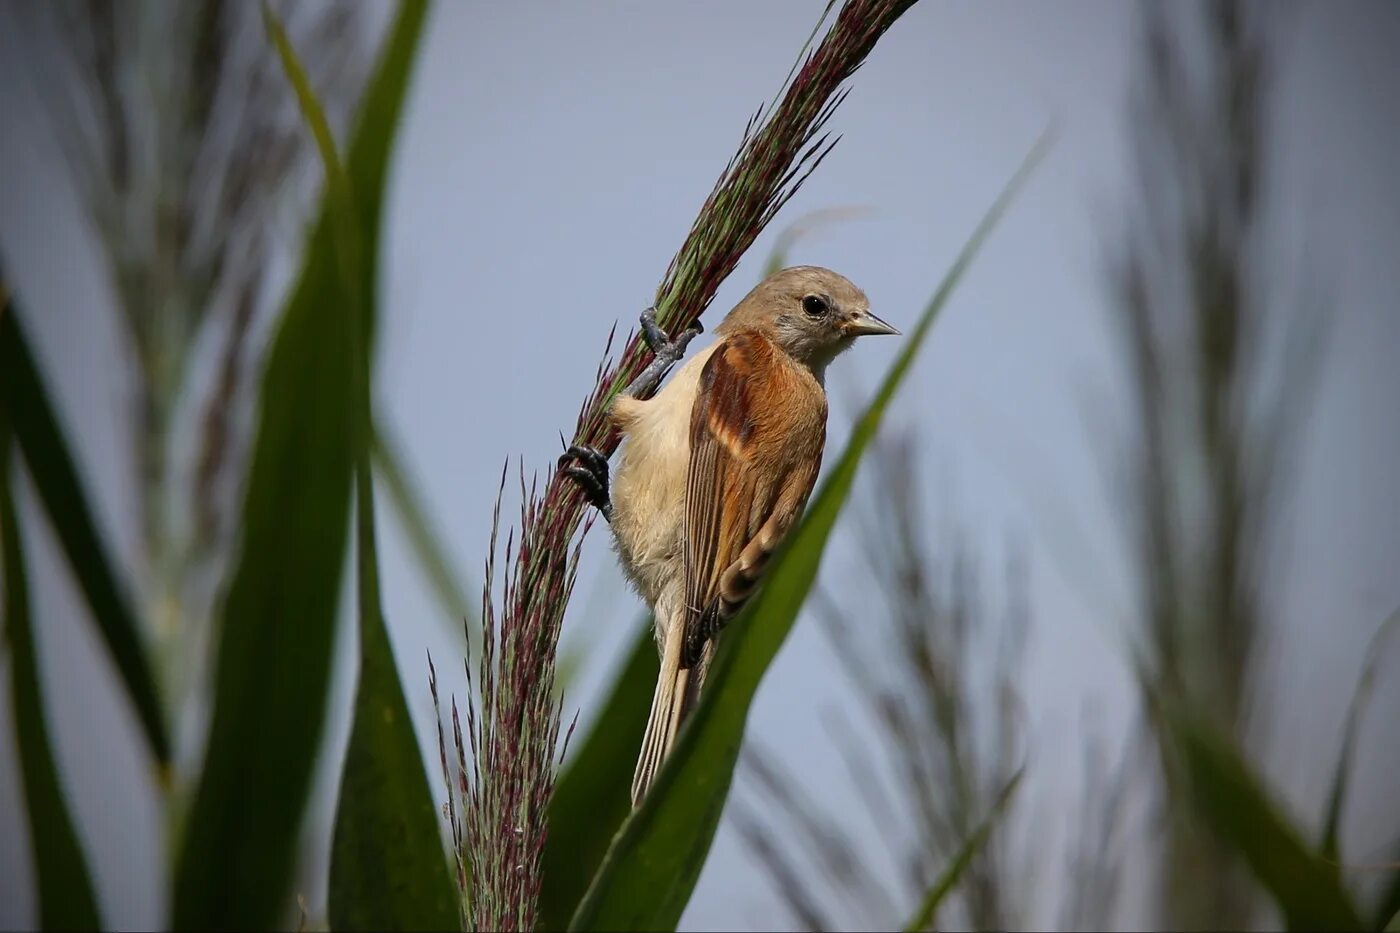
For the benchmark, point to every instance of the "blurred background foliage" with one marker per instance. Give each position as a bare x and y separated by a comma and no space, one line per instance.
192,138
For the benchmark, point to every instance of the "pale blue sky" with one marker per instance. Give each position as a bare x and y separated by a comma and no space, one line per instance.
551,162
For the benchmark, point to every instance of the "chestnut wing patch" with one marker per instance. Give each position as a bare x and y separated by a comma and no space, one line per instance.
755,447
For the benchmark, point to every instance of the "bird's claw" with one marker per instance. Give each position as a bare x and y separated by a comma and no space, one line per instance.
660,344
665,352
707,626
589,469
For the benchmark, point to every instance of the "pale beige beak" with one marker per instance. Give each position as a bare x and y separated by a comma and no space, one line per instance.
866,324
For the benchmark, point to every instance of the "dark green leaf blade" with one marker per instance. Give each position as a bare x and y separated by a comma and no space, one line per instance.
66,900
1236,807
591,797
1336,801
278,616
943,886
387,868
651,868
39,437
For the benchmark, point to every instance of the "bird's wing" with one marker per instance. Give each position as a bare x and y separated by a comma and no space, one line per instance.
756,436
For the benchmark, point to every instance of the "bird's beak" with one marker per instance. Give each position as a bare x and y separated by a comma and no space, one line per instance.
867,324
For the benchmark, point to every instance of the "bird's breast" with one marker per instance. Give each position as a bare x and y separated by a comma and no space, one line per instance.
648,487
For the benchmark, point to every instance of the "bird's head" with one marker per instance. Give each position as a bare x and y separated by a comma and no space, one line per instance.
811,313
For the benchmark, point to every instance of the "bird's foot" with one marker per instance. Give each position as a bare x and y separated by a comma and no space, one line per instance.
589,469
666,353
709,625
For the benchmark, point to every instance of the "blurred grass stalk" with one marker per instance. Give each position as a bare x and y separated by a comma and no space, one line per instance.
180,137
514,722
1199,326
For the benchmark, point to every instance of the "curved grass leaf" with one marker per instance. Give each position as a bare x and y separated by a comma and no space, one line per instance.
66,900
387,867
37,432
924,916
424,538
1336,802
592,797
651,868
800,228
388,870
1306,889
277,624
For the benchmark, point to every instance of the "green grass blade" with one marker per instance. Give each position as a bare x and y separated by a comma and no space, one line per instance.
37,432
651,868
423,535
1233,804
66,900
948,880
339,197
1336,801
387,868
592,797
277,623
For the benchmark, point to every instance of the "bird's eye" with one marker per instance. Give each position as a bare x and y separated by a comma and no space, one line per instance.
814,305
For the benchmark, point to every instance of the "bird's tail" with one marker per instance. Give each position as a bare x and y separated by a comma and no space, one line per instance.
677,691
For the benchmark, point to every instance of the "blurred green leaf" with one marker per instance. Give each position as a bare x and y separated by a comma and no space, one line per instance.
778,258
1236,807
592,796
651,868
387,867
1331,842
924,916
66,900
423,536
340,199
1388,905
278,617
569,663
46,452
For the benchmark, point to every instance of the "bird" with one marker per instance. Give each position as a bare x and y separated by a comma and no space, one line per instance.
716,467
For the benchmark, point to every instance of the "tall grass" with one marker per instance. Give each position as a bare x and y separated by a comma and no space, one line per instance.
183,143
1198,308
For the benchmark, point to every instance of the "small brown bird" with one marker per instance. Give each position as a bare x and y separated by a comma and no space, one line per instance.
717,467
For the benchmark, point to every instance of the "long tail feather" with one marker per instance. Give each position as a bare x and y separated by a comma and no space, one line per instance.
665,719
677,692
